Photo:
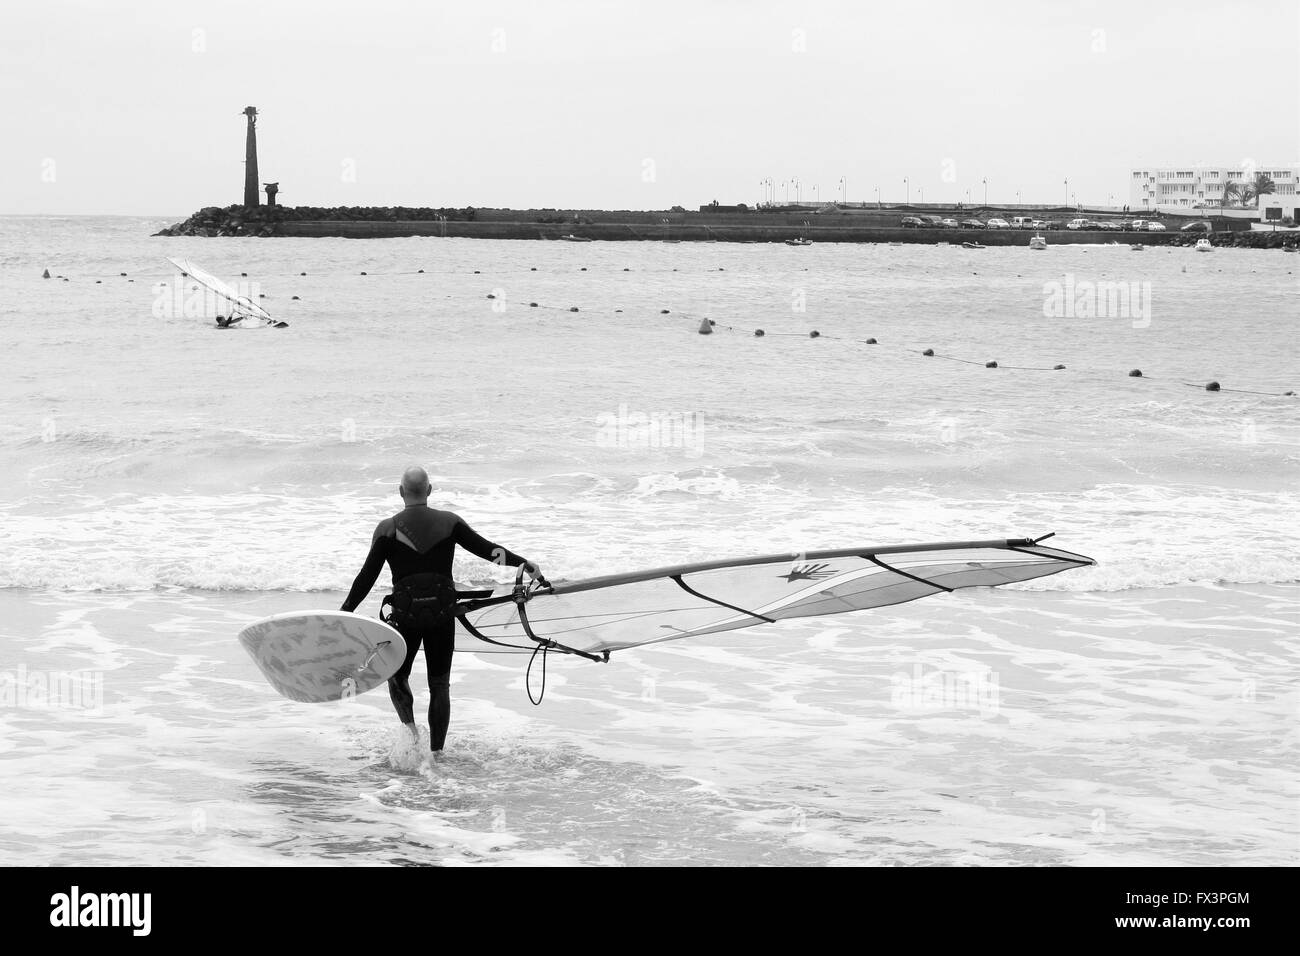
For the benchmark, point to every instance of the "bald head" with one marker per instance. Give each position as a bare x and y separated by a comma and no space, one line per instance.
415,485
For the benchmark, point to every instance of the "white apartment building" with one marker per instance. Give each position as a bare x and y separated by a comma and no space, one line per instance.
1188,187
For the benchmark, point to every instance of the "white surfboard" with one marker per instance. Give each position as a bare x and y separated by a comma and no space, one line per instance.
314,656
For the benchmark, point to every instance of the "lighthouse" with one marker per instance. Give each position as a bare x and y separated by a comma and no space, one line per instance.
250,159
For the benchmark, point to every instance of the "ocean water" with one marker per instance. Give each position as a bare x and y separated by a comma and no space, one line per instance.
165,483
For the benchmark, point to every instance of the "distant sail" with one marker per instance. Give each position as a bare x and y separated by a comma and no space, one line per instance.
242,303
600,615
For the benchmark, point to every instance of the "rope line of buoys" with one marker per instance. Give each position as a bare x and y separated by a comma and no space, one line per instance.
708,326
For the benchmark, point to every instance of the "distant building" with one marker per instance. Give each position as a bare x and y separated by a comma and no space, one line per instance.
1273,207
1186,187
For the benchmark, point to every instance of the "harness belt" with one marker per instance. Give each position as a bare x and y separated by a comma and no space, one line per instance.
420,602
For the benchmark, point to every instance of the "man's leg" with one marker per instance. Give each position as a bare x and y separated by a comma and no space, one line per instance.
438,648
399,685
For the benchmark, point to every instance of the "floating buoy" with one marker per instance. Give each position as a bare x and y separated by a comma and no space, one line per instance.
583,269
814,334
663,311
302,273
295,299
1288,393
627,270
706,327
990,364
363,273
476,272
47,274
618,310
99,282
64,278
533,269
1212,386
928,352
122,274
1136,373
491,296
532,305
242,274
573,308
419,272
720,269
872,342
1057,368
759,333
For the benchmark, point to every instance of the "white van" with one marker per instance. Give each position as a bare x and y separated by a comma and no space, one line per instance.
1022,222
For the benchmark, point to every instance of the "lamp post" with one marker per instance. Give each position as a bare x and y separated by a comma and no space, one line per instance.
986,193
844,184
877,197
908,200
1067,190
922,188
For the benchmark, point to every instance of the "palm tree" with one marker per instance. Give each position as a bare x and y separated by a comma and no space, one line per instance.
1232,191
1263,185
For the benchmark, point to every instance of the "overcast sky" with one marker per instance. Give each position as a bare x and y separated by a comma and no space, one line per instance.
135,107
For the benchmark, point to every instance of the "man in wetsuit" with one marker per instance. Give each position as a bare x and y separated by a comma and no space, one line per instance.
418,543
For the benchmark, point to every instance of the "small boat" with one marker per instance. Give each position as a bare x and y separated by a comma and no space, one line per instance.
801,241
572,238
971,245
1137,247
1037,241
1203,245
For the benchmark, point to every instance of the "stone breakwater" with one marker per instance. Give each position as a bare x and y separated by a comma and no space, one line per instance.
676,225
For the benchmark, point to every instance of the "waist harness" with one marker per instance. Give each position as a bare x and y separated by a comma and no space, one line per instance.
420,602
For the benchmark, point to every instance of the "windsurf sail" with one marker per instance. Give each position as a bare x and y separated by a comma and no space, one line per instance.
595,617
243,308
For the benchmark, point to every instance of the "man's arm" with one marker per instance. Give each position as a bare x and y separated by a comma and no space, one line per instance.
481,547
369,572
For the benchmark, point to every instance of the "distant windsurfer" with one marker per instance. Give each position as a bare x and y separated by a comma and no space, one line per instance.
419,543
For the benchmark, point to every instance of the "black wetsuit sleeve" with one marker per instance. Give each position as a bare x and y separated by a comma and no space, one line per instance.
369,572
481,547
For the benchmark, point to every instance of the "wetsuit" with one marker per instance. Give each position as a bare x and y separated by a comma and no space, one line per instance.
418,544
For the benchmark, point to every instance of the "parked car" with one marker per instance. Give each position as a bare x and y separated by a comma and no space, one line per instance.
972,224
950,224
1022,222
1155,227
1077,224
1039,224
1138,225
996,223
912,222
1199,226
931,222
1108,224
